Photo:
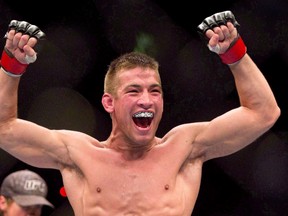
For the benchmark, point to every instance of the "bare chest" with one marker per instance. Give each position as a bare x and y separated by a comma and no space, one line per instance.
133,179
134,188
148,186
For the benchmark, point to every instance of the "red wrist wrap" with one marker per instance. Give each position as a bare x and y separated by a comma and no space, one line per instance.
11,64
235,52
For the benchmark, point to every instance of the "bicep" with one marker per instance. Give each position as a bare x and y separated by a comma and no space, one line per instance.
34,144
229,133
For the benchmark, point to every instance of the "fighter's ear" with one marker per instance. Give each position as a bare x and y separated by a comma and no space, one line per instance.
107,102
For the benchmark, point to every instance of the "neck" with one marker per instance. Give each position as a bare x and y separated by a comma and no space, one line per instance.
128,148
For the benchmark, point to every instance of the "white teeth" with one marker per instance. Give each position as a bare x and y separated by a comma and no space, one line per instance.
144,115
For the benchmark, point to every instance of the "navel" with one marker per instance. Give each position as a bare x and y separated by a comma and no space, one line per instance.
98,189
166,187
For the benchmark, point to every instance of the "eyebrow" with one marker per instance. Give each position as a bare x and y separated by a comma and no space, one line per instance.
139,86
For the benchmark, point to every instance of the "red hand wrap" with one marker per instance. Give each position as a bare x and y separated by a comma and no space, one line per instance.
235,52
11,64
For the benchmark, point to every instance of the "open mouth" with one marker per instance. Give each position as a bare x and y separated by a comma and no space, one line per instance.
143,119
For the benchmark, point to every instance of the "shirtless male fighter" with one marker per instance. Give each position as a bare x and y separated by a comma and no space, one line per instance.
134,172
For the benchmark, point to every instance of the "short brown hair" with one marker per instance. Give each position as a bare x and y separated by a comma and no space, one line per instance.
127,61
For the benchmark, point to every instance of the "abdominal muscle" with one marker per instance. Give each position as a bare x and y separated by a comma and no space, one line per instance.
152,186
139,196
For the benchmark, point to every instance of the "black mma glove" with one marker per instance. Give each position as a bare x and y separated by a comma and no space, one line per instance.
8,62
237,48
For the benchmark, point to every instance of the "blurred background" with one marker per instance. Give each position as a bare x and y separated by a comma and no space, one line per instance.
63,88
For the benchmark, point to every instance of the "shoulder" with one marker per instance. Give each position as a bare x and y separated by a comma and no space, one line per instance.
182,139
70,137
189,130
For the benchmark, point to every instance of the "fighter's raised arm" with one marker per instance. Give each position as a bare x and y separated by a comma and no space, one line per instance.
25,140
258,110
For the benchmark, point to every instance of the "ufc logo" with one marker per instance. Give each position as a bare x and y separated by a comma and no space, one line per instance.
34,185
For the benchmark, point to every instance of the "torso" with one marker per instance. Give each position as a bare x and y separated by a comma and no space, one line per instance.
156,184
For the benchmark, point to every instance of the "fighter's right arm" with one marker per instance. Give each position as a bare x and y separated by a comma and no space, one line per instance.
29,142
